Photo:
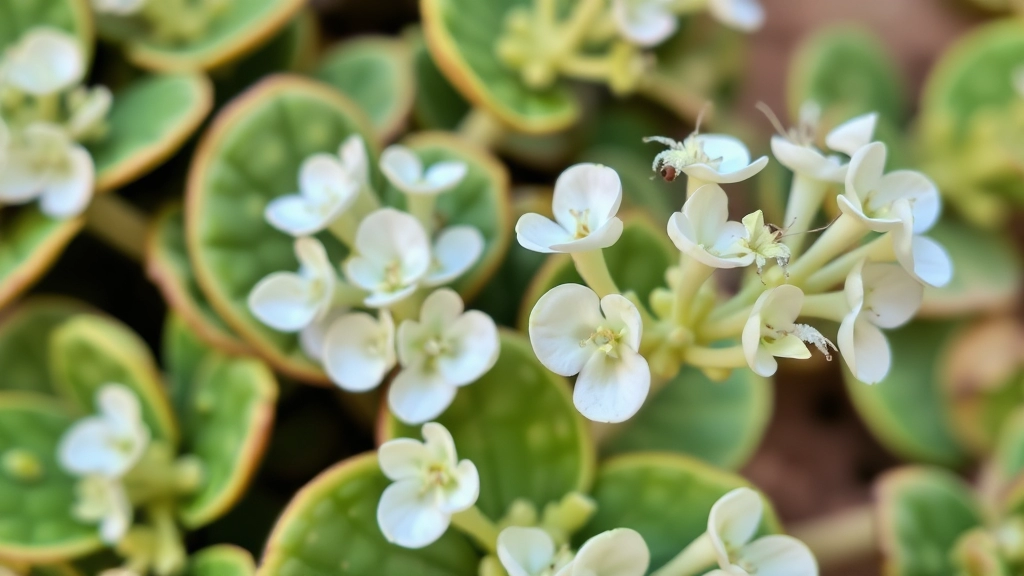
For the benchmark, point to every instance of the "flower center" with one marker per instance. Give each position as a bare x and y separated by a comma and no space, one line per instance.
437,476
393,276
606,340
582,222
436,346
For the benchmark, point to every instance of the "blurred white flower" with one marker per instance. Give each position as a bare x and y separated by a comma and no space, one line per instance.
43,162
795,149
879,296
531,552
570,335
404,169
586,200
89,108
119,7
771,331
923,258
716,158
743,15
430,484
445,349
289,301
645,22
392,254
883,202
704,232
326,190
354,159
311,338
103,500
44,61
359,350
455,250
110,442
852,135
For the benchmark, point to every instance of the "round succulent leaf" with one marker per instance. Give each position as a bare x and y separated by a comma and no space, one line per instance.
90,351
664,497
637,263
249,156
240,29
182,353
377,73
1007,461
226,421
221,560
25,341
641,188
438,105
518,425
330,529
907,411
718,422
921,512
168,266
36,495
72,16
30,243
139,140
461,36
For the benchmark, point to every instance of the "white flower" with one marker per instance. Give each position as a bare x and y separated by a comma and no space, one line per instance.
392,255
455,250
446,349
359,350
879,296
89,108
404,169
923,258
103,500
326,190
717,158
704,232
586,199
645,22
110,442
119,7
43,62
852,135
743,15
884,202
311,338
430,485
289,301
570,335
770,331
43,162
733,521
531,552
763,242
795,149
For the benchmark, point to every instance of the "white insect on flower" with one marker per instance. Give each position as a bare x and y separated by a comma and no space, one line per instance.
717,158
923,258
404,169
456,249
732,524
572,331
645,22
44,61
110,442
586,200
796,149
532,552
119,7
359,350
879,296
44,163
289,301
326,190
704,232
743,15
430,484
104,501
447,348
392,256
771,331
763,242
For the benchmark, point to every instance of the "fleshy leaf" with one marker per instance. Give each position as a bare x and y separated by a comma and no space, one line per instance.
30,243
438,105
25,342
221,560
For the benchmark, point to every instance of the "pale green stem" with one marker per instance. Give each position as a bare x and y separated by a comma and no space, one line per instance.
593,68
547,13
169,553
344,228
693,275
696,558
878,250
347,295
842,234
422,207
830,306
805,198
481,128
726,327
48,107
409,308
119,224
840,538
744,298
594,271
684,7
480,528
576,28
604,30
366,202
706,357
692,184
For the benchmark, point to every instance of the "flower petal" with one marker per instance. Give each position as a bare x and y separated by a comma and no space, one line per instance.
358,352
86,448
382,299
620,312
852,135
439,443
733,521
476,349
282,301
45,61
806,160
465,491
743,15
403,458
893,296
619,552
456,249
354,159
612,389
401,166
925,259
645,23
417,395
388,235
409,517
865,172
539,234
444,176
311,338
916,187
562,319
864,348
525,551
322,180
293,215
118,518
780,555
586,189
66,195
603,237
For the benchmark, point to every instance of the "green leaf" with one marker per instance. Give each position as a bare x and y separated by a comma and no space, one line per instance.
719,422
664,497
221,560
72,16
25,342
168,266
36,501
519,426
461,35
637,263
138,139
330,529
921,513
30,243
906,411
251,155
376,72
438,105
639,190
182,353
89,351
1007,461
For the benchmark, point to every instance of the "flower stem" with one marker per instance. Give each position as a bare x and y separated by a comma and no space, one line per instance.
725,327
879,250
480,528
594,68
843,233
481,128
706,357
344,228
694,559
422,207
594,271
169,551
576,28
805,197
693,275
830,306
119,224
839,538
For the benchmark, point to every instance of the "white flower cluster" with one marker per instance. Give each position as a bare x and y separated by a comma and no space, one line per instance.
394,263
45,113
650,22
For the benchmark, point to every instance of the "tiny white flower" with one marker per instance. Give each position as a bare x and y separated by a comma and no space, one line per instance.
717,158
645,22
359,350
570,335
326,190
531,552
586,200
289,301
704,232
771,331
795,149
110,442
44,163
455,250
923,258
879,296
445,349
118,7
43,62
355,160
743,15
392,254
763,242
733,521
404,169
311,338
103,500
89,108
430,484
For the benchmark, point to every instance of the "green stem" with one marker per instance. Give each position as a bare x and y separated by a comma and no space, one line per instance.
480,528
694,559
726,327
575,30
753,288
48,107
593,68
481,128
839,538
347,296
366,202
547,14
830,306
805,198
706,357
842,234
119,224
422,207
344,228
169,550
878,250
594,271
693,275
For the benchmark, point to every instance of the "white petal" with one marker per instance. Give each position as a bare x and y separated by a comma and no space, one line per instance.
465,491
444,175
562,319
733,521
525,551
865,172
590,189
403,458
441,308
780,555
401,166
87,448
619,552
612,389
353,157
388,235
605,236
440,443
311,338
852,135
119,7
806,160
282,301
120,407
743,15
864,348
619,311
645,23
18,182
45,61
322,179
537,233
294,215
782,306
925,259
382,299
358,352
409,517
893,296
477,348
66,195
707,211
118,517
418,395
916,187
456,249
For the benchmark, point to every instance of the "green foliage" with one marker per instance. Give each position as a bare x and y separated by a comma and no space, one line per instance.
221,560
72,16
29,243
25,338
